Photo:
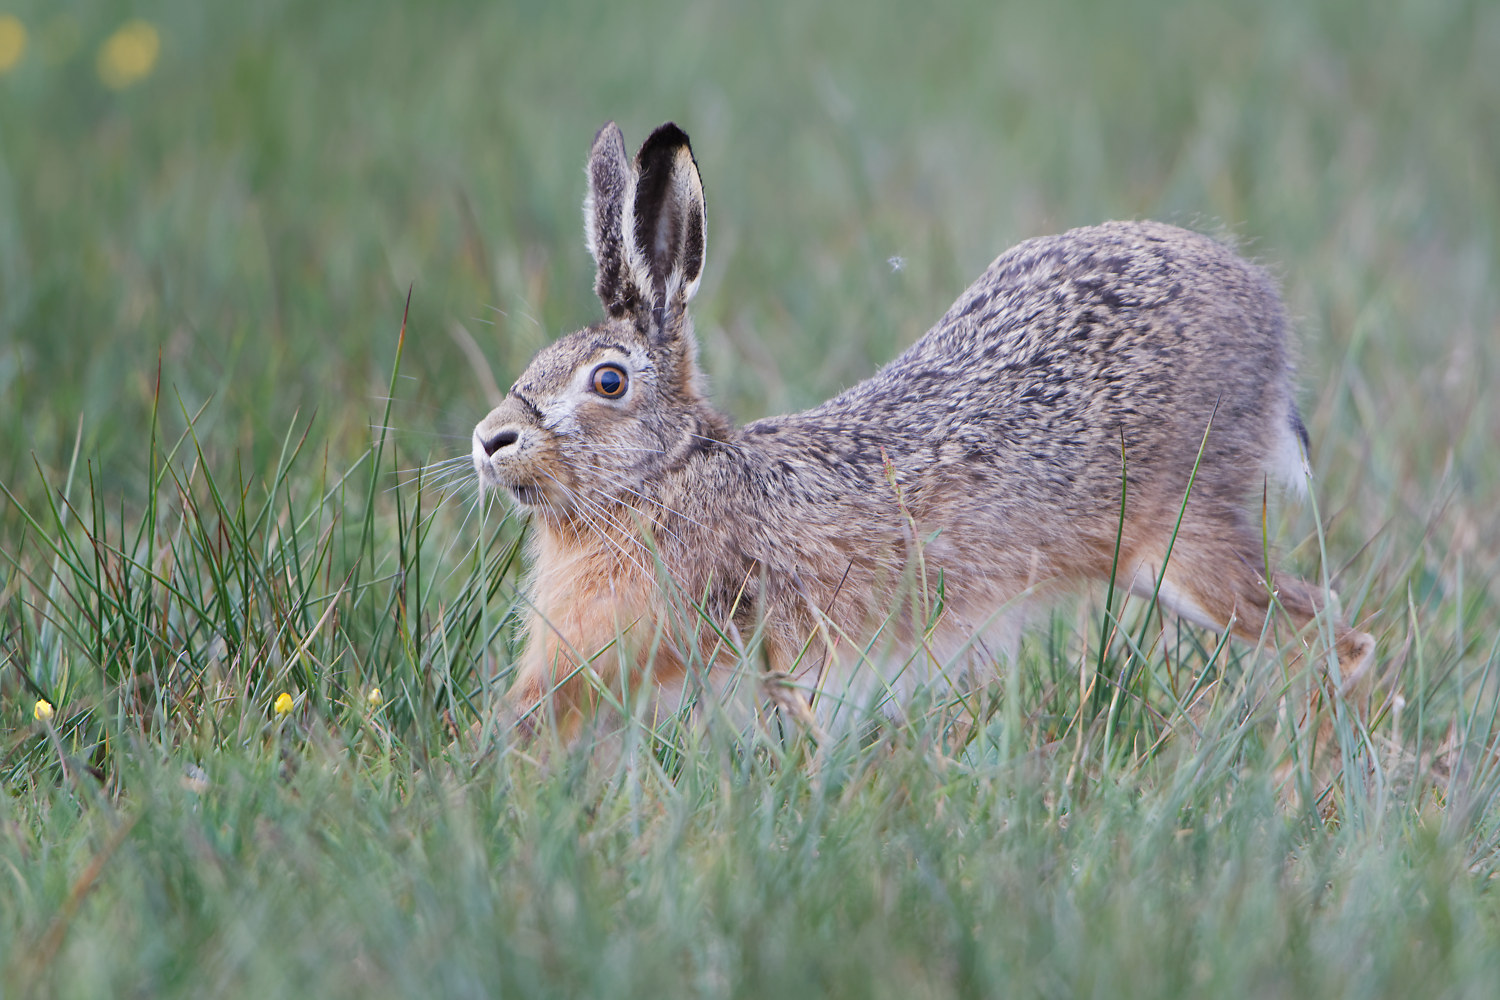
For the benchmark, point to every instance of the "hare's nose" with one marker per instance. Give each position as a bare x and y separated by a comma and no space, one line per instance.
500,439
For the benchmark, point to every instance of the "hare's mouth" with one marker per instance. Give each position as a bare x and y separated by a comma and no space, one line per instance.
528,494
538,496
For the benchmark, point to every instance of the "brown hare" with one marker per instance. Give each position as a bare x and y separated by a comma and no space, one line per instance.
905,525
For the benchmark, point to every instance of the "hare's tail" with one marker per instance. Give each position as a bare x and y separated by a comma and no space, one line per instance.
1288,461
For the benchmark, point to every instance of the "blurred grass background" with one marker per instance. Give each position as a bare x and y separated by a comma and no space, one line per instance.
249,211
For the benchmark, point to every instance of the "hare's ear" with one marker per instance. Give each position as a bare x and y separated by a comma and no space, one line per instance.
669,219
645,224
609,227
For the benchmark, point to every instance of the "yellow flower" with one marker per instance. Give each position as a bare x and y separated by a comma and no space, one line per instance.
129,54
12,42
374,698
283,704
42,711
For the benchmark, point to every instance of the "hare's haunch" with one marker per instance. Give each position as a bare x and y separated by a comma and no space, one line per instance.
905,524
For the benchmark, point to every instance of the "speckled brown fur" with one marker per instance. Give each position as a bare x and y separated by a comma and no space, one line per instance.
988,455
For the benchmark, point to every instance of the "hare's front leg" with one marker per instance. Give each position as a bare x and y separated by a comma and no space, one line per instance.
586,655
550,688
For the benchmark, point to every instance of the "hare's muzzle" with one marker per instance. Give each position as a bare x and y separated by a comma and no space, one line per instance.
495,448
496,444
506,455
498,437
503,438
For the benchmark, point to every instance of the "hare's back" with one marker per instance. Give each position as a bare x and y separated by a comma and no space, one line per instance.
1143,303
1069,346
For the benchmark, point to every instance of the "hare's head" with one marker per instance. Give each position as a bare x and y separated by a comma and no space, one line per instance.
599,413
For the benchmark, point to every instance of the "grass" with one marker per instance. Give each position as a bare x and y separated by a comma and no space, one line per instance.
215,403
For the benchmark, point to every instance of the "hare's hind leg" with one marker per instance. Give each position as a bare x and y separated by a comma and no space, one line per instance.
1313,749
1356,649
1215,577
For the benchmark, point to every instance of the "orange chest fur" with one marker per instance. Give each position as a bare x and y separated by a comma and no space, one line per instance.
592,604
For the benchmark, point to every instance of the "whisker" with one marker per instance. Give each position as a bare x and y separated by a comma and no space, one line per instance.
588,509
601,449
666,508
436,485
443,501
616,481
459,562
727,444
439,464
439,474
655,523
624,530
444,466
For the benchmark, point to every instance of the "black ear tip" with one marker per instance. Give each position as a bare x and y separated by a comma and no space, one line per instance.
669,131
667,136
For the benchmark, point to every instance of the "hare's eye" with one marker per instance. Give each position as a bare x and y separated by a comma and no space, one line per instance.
609,381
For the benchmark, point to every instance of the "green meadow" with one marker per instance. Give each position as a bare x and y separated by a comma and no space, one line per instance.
264,265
